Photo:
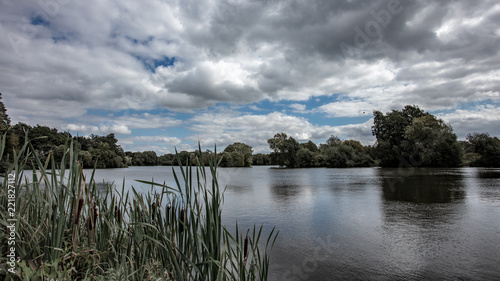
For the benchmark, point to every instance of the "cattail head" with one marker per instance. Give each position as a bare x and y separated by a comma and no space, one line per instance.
93,217
89,223
245,248
78,207
118,214
167,211
54,212
153,211
95,213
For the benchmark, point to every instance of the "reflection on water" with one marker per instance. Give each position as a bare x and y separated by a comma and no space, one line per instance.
487,182
488,174
284,192
422,186
429,227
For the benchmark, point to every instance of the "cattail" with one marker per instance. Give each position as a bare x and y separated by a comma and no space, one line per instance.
168,214
118,214
79,206
93,217
245,248
95,213
54,212
89,223
182,221
153,211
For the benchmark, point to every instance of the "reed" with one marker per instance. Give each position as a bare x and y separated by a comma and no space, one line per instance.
69,229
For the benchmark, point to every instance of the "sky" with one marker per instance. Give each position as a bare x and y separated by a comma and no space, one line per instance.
168,74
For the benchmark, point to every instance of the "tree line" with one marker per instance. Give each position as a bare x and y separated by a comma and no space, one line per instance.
409,137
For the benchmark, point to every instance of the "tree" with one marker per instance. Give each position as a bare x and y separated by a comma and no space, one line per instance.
103,149
488,149
4,118
413,137
183,157
10,137
429,142
333,141
261,159
237,155
85,159
146,158
311,146
345,154
305,158
390,129
19,131
166,159
150,158
286,149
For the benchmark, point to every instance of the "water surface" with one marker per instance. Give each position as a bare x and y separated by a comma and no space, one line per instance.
364,224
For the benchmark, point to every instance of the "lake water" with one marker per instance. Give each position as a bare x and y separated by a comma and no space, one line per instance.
364,224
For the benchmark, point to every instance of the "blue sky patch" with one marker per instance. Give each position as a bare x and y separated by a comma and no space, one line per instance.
151,64
37,19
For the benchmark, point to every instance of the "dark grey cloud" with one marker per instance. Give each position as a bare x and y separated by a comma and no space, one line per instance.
379,54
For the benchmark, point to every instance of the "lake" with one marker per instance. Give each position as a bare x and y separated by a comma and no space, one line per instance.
366,223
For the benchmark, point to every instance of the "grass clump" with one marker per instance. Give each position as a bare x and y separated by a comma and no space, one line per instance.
69,229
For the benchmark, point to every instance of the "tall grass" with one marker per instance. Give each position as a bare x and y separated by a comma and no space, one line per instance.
69,229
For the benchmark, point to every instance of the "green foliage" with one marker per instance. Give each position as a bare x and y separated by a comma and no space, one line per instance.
261,159
4,118
389,129
334,153
346,154
486,148
311,146
46,142
5,130
305,158
69,229
286,149
166,160
105,151
429,142
237,155
146,158
412,137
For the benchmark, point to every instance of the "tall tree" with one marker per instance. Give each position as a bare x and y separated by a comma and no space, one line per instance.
4,118
389,129
311,146
286,149
413,137
430,142
488,149
345,154
237,155
10,137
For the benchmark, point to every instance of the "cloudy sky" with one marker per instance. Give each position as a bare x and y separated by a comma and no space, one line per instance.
165,73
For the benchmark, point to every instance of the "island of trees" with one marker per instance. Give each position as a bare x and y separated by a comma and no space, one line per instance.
409,137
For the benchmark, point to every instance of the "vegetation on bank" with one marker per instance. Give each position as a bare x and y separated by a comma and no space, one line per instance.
413,137
481,150
409,137
405,138
68,228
